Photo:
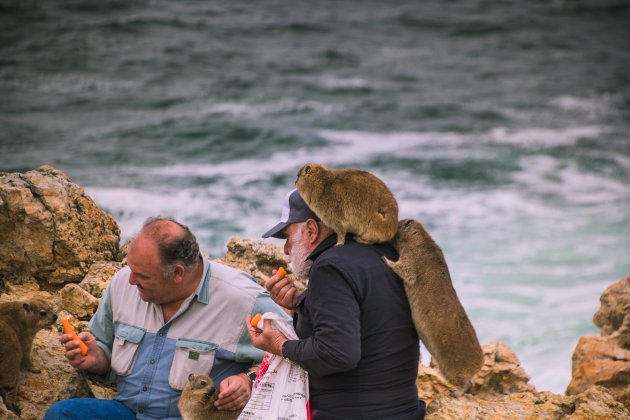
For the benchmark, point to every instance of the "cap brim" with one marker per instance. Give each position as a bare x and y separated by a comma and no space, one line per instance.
276,231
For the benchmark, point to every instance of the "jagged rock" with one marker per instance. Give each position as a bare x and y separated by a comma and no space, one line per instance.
5,413
613,316
255,257
594,403
50,229
605,360
500,374
600,361
431,384
20,291
78,302
99,389
98,277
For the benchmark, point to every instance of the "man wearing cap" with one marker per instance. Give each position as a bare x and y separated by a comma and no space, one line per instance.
357,339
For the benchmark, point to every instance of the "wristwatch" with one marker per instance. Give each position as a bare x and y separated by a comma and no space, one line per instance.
252,375
284,350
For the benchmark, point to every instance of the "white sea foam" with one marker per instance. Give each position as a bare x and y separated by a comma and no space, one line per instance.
590,106
543,137
543,174
370,142
345,83
287,105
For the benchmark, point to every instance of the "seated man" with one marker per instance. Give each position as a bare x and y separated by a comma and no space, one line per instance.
168,313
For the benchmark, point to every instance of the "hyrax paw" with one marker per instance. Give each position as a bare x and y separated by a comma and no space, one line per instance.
388,262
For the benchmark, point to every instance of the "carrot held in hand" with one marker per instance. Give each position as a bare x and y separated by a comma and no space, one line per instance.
281,273
256,319
69,330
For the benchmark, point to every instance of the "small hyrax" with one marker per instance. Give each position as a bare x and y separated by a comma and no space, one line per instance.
197,400
19,322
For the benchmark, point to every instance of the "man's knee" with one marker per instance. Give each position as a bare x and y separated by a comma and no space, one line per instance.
60,411
92,408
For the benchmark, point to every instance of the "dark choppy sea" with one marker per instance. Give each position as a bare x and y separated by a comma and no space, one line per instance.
503,126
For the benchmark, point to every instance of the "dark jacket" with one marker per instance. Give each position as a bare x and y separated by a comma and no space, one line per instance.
357,339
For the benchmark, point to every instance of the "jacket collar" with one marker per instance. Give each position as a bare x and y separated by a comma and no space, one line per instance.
329,242
323,246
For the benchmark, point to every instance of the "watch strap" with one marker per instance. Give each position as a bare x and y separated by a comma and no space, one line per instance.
252,375
284,350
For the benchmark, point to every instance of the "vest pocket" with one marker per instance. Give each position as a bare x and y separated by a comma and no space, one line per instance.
127,339
191,356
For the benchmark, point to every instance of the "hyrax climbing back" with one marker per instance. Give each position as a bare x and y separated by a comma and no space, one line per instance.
350,201
19,322
197,400
440,319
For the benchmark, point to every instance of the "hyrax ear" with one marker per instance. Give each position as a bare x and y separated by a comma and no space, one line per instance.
190,377
307,169
26,307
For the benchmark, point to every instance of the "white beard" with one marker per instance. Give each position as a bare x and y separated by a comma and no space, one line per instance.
297,259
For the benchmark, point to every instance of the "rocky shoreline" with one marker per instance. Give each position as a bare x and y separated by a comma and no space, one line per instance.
55,241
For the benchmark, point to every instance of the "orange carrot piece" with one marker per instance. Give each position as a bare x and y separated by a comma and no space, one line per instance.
255,320
281,273
69,330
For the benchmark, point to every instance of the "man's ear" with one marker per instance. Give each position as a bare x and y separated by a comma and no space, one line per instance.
312,230
178,273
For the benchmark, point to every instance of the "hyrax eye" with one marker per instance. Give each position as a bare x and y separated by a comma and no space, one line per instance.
204,383
42,313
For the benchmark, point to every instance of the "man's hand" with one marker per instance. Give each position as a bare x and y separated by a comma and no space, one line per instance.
95,361
268,339
234,392
282,291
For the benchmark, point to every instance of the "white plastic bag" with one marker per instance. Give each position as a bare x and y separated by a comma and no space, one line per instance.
281,389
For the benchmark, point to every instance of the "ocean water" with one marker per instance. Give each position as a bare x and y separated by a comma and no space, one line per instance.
504,127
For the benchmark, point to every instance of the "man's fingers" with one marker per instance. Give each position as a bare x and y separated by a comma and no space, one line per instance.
282,289
234,393
274,281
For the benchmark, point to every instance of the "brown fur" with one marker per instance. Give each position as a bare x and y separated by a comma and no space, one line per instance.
19,322
440,319
350,201
197,400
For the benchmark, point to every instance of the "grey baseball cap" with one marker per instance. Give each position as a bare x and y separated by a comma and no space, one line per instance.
294,210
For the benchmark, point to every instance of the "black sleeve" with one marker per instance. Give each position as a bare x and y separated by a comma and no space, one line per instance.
335,345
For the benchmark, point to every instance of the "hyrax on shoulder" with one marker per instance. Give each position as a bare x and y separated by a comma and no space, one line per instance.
350,201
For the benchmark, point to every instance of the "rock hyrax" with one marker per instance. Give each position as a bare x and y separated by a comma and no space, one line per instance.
19,322
350,201
440,319
197,400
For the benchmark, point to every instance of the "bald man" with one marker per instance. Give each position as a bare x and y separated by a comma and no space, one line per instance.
169,313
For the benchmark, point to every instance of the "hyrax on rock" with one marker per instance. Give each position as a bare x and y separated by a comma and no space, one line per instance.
197,400
19,322
438,315
350,201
